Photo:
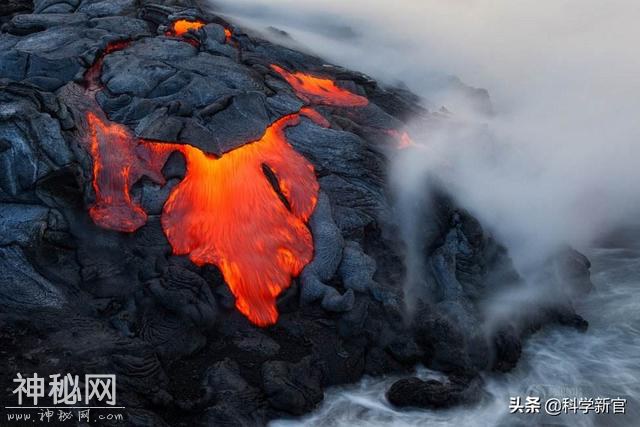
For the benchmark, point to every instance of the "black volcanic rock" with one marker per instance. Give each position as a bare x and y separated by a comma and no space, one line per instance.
10,8
295,388
432,394
78,298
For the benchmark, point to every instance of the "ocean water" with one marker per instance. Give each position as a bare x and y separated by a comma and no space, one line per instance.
558,362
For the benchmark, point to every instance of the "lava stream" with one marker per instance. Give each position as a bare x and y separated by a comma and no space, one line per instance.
317,90
119,160
224,212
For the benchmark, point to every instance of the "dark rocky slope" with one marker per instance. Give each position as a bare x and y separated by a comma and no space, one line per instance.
81,299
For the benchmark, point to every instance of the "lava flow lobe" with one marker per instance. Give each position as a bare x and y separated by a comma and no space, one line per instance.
119,160
183,26
224,212
321,91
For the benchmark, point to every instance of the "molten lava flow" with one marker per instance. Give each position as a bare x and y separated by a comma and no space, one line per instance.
119,160
226,212
183,26
317,90
227,35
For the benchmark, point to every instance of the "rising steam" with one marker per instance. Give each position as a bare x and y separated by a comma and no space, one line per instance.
558,161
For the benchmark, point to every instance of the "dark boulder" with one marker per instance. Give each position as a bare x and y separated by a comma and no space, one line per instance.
433,394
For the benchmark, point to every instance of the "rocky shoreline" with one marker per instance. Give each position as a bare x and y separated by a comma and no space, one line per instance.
76,297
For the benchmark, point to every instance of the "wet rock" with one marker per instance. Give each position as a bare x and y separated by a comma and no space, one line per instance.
507,350
573,268
444,342
432,394
354,322
378,362
405,350
224,414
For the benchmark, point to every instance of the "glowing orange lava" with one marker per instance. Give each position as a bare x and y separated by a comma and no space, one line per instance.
119,160
224,212
183,26
227,34
317,90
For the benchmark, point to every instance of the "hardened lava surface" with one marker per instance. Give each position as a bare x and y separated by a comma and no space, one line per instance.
205,214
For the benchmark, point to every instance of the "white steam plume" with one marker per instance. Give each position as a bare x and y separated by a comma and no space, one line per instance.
564,77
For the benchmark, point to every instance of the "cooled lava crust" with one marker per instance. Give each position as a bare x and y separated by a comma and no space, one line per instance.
205,214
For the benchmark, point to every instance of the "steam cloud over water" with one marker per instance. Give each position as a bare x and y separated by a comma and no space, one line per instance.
555,160
558,161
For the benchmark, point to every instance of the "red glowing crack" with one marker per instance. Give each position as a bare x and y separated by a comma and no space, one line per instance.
321,91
